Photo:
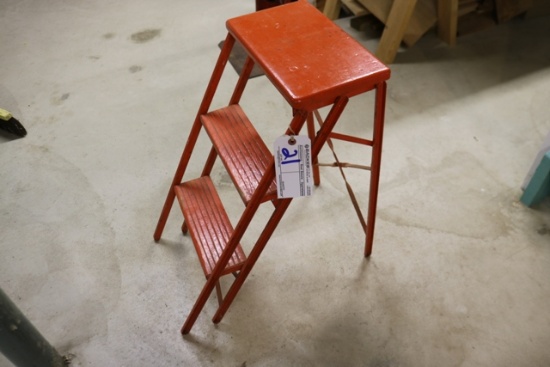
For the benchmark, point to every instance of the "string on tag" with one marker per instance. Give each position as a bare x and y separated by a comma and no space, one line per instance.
340,166
291,140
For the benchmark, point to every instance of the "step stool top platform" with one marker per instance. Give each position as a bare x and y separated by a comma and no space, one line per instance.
309,59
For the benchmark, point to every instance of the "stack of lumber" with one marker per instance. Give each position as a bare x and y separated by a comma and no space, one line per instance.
355,7
423,15
458,17
508,9
406,21
467,6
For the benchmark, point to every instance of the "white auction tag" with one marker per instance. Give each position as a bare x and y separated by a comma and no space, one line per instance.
293,166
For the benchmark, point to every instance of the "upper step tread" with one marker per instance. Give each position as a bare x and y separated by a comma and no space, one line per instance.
242,150
208,224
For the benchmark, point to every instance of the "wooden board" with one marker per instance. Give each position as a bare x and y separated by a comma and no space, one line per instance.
422,19
447,12
508,9
475,22
355,7
467,6
396,25
320,4
331,9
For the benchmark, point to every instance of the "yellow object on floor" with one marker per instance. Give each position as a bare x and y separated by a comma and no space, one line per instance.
5,115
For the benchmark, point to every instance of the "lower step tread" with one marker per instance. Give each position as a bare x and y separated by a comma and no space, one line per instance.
208,224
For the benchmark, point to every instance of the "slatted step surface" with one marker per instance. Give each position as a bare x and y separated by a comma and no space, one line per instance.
208,223
242,150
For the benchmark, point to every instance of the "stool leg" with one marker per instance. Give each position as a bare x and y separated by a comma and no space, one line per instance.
314,160
252,257
375,164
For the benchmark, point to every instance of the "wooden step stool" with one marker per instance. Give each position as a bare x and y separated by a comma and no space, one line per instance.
313,64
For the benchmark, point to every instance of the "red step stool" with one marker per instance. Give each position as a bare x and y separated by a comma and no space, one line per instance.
313,64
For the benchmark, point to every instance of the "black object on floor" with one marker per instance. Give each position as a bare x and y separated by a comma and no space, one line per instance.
10,124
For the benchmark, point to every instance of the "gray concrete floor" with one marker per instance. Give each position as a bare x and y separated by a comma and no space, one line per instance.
460,274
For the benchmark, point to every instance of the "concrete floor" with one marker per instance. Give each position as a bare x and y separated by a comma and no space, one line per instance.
460,274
